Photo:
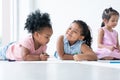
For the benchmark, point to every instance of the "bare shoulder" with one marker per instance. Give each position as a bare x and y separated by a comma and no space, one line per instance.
60,40
85,48
61,37
101,31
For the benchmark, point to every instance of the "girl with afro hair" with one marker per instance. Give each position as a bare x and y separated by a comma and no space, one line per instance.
33,47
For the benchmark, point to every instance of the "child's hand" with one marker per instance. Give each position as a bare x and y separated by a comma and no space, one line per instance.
111,48
44,56
77,57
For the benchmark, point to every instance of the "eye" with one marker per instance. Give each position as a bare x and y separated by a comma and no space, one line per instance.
75,31
47,37
69,28
113,20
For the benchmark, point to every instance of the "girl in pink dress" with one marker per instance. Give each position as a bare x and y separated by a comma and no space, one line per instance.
108,43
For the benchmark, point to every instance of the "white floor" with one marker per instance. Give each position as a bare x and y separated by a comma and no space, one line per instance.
59,70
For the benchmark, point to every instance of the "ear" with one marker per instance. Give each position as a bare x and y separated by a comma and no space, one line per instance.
81,37
36,34
105,20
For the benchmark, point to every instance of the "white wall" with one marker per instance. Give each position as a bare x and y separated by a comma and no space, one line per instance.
5,21
63,12
0,22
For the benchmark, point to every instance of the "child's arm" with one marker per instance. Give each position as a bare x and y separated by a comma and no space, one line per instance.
60,49
87,54
100,40
118,46
32,57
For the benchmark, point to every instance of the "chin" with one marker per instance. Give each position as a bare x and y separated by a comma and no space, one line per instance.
68,37
44,44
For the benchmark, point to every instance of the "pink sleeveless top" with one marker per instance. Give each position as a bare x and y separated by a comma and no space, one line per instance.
13,51
109,39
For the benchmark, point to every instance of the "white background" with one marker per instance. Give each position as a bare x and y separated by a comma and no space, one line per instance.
62,13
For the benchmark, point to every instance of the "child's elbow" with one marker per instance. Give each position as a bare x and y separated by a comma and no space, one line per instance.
94,58
62,58
24,58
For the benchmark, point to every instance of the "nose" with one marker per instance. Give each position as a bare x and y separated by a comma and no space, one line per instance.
115,23
70,31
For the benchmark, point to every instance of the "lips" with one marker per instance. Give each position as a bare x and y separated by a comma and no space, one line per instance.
69,35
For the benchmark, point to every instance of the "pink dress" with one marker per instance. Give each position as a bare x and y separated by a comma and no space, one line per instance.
13,52
109,39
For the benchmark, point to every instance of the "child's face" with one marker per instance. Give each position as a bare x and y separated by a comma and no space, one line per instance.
73,33
44,36
113,21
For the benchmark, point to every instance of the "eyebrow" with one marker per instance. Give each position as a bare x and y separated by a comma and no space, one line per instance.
77,30
47,34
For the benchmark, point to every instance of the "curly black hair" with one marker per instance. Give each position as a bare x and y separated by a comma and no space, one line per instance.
36,21
85,31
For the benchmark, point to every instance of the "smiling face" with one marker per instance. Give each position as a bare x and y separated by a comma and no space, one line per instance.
44,35
73,33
